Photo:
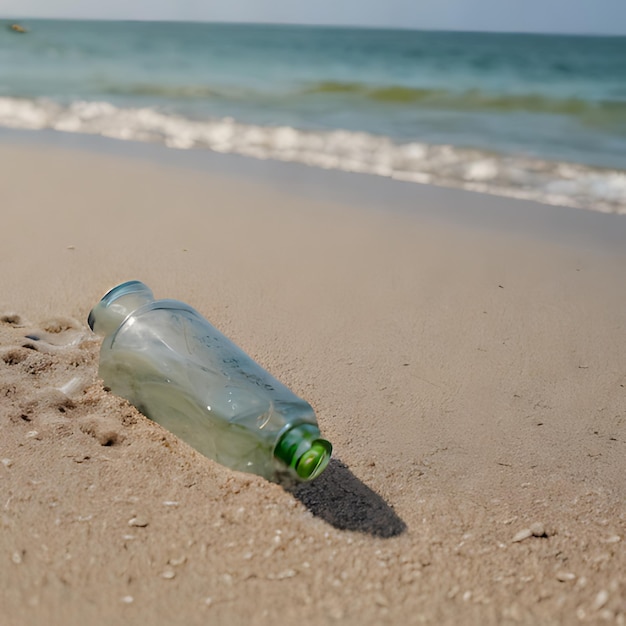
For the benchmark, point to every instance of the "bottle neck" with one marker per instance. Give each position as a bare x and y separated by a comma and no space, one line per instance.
116,305
303,450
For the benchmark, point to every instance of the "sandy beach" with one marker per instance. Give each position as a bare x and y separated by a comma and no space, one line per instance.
464,354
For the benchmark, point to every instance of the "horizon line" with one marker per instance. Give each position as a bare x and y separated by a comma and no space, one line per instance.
318,25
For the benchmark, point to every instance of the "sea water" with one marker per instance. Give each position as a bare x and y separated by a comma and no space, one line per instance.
541,117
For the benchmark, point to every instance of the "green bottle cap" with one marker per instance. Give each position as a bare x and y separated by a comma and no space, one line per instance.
304,451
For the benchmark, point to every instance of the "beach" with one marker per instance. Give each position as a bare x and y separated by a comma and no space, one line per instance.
463,353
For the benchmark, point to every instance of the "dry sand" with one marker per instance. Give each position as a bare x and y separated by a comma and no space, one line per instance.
472,380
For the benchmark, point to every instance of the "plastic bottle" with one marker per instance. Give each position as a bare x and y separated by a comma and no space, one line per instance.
180,371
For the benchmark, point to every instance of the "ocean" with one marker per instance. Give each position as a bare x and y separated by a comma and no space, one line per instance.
540,117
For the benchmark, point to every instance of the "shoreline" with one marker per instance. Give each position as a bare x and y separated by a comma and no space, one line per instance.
462,353
563,224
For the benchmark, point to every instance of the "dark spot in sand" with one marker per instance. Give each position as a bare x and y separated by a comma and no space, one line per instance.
59,324
11,318
14,356
103,431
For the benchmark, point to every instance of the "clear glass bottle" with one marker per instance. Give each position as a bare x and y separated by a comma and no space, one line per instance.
180,371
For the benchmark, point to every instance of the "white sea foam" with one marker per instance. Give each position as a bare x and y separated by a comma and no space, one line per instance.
513,176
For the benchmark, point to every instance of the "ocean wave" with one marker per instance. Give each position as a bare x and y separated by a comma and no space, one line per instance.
605,112
529,178
472,99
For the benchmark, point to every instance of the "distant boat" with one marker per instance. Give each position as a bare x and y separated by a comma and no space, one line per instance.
17,28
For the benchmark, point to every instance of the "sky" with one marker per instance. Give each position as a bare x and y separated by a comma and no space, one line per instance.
552,16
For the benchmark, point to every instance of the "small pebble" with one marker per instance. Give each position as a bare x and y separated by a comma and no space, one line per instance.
128,599
168,574
565,576
537,529
7,462
522,534
137,521
178,560
208,601
16,557
611,539
601,599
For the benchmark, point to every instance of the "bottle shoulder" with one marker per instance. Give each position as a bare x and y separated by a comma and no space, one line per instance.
141,319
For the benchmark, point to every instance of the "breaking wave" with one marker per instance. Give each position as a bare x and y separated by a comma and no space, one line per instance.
505,175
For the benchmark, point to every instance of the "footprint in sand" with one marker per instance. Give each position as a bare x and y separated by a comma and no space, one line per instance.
57,334
48,378
104,430
12,318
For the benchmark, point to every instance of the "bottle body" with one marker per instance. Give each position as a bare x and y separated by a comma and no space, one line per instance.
183,373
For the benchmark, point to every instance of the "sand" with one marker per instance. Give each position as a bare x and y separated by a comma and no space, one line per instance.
470,373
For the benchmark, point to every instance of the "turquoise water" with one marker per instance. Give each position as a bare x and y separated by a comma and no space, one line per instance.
533,116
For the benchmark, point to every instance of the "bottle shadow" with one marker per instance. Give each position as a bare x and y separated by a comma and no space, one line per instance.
339,498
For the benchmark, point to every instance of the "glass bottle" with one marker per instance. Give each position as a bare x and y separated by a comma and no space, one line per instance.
181,372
